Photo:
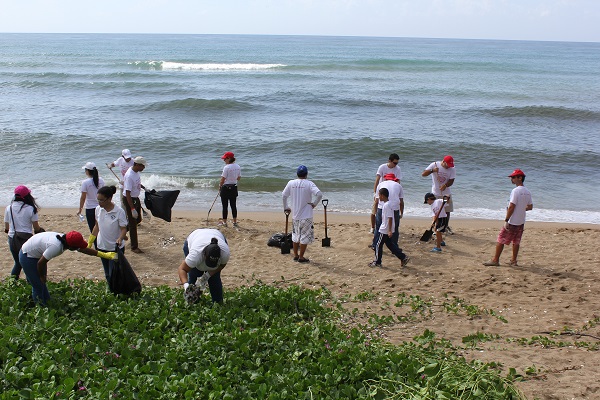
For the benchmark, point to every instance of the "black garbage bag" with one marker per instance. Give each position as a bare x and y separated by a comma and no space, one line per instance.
161,202
278,239
122,279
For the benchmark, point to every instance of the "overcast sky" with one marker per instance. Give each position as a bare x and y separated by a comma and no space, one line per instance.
561,20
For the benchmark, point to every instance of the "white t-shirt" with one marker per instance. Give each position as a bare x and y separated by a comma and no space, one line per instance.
123,165
521,198
24,218
231,173
109,227
90,190
396,192
132,182
386,213
383,170
197,241
302,192
440,178
43,244
435,207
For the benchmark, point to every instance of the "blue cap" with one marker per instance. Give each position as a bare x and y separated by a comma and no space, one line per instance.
302,171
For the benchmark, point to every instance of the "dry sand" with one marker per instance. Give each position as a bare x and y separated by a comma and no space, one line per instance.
552,289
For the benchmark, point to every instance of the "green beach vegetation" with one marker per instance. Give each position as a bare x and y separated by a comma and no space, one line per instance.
263,343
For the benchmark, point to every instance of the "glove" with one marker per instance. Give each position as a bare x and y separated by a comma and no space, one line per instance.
191,293
135,214
109,255
91,241
203,282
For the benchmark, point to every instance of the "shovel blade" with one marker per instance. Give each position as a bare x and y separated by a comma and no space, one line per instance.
427,235
285,247
326,242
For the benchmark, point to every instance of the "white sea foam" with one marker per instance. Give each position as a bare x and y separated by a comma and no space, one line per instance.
168,65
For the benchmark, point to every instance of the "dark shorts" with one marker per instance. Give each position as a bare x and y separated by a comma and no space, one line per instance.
229,191
511,235
441,224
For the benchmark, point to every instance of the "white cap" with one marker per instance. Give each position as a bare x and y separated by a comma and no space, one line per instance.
126,153
89,165
140,160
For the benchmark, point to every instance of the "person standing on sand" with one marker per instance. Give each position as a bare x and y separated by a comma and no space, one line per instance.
89,188
124,163
396,202
132,187
442,174
520,202
228,187
385,232
391,167
305,196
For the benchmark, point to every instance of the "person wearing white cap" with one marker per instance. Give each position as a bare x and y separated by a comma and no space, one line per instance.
132,187
124,163
89,190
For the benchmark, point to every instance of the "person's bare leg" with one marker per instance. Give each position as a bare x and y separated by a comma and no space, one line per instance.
515,253
295,246
438,240
302,250
499,248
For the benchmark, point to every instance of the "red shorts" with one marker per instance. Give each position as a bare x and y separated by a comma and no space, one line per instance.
511,235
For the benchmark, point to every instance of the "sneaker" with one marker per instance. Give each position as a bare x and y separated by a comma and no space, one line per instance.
491,263
371,230
374,264
371,247
235,225
443,243
450,232
405,261
222,223
436,250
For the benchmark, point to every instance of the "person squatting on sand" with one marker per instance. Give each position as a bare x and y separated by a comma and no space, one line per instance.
89,188
442,174
396,202
45,246
520,202
228,187
206,254
391,167
385,232
20,215
132,187
110,228
305,196
439,218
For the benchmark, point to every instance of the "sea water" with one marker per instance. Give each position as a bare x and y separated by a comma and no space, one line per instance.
339,105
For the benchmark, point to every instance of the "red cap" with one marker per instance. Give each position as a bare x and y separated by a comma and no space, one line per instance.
227,154
22,191
390,177
75,239
517,172
449,160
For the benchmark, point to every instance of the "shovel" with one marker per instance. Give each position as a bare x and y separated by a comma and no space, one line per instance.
326,242
285,244
429,233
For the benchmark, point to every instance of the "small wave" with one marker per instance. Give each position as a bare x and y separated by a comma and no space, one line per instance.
193,104
170,65
545,112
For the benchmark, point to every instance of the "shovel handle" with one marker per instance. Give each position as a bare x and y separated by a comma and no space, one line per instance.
287,212
325,202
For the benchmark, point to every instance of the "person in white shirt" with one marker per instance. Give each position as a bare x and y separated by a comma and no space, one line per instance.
132,186
45,246
391,167
19,217
206,254
386,231
110,229
228,187
305,196
439,218
89,188
396,200
124,163
520,202
443,174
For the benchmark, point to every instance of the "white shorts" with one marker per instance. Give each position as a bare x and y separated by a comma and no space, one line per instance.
449,205
303,231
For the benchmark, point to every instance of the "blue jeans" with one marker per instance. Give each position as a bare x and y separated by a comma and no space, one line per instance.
215,285
395,235
39,290
90,216
16,271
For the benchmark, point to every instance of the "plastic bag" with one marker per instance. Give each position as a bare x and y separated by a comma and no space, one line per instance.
122,279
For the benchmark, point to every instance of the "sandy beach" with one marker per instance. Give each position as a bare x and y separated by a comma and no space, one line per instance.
552,290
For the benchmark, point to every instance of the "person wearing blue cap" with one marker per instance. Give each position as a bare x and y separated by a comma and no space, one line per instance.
305,196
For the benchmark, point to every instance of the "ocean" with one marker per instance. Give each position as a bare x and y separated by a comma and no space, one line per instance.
339,105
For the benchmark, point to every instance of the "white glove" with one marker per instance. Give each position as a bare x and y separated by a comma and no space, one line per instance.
185,286
134,213
203,282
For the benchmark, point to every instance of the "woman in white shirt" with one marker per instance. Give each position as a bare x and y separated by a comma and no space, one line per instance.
89,188
19,218
110,229
228,187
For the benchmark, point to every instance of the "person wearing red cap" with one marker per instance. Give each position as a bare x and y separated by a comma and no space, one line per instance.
442,174
520,202
228,187
19,218
41,248
396,204
391,167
